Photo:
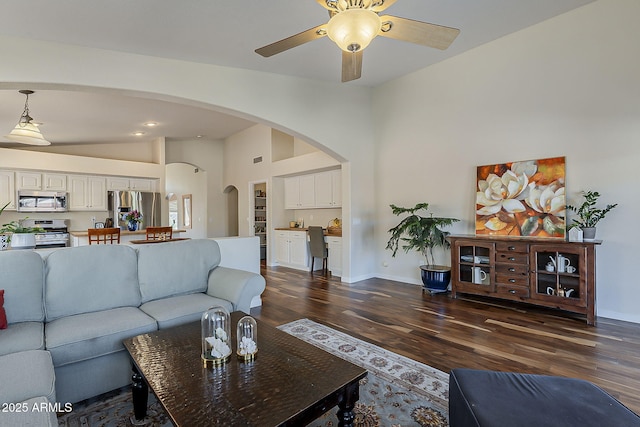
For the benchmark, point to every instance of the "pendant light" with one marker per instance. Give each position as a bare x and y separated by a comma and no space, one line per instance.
25,131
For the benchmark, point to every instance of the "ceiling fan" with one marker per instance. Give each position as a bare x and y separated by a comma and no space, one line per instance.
352,26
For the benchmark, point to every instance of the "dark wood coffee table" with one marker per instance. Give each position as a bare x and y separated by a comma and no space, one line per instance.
290,383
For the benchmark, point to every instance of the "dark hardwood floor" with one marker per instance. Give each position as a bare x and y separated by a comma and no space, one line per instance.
446,333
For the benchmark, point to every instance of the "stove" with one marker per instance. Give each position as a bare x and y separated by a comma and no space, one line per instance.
55,235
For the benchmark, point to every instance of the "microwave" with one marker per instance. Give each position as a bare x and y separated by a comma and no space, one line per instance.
42,201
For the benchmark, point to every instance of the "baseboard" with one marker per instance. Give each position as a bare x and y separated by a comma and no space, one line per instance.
403,279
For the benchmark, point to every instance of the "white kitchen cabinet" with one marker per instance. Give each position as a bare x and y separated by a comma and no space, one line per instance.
299,192
87,193
142,184
7,190
41,181
334,243
28,181
117,183
292,249
328,189
132,184
317,190
54,182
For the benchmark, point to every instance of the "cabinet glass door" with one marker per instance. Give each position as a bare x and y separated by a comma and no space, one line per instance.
557,274
475,263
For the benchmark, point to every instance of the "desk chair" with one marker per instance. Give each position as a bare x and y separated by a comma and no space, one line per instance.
104,235
159,233
318,247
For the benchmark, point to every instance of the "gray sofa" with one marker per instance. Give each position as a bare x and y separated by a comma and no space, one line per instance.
80,303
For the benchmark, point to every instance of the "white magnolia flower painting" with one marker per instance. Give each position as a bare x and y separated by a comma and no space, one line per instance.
524,199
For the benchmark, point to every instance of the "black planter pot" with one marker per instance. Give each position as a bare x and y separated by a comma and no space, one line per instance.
435,278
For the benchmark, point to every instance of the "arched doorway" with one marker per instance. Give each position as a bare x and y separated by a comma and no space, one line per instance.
231,193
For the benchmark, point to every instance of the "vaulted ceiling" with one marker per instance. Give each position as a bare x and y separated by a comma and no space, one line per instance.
226,33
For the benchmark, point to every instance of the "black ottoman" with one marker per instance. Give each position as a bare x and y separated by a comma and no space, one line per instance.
505,399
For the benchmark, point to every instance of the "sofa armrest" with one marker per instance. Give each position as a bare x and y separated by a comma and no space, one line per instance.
236,286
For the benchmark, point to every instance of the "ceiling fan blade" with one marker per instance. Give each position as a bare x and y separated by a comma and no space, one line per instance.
382,5
293,41
351,65
419,32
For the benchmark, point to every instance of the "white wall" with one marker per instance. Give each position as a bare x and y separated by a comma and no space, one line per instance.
182,179
207,156
566,87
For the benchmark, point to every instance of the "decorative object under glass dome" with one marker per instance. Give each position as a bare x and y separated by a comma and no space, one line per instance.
247,338
216,335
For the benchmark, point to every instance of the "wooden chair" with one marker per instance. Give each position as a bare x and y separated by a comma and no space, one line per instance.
104,235
159,233
317,246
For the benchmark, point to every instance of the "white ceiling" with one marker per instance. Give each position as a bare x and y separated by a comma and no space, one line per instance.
226,33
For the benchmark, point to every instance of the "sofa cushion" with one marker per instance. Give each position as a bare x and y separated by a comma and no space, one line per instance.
23,282
22,336
175,268
32,418
83,336
3,314
86,279
29,374
181,309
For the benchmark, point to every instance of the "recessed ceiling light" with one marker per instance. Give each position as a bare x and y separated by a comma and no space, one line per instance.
199,136
151,124
138,133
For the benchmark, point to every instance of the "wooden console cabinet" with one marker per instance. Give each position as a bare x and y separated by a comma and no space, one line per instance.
549,273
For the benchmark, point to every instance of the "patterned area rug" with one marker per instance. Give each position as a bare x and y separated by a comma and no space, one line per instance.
397,391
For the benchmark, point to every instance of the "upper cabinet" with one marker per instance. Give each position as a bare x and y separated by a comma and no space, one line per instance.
131,184
299,192
7,190
87,193
41,181
329,189
318,190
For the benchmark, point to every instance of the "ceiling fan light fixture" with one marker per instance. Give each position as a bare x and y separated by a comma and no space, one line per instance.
353,29
27,132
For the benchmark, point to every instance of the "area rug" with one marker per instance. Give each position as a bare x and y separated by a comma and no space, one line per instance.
397,391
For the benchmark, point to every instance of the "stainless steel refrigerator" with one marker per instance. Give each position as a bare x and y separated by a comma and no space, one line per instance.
122,202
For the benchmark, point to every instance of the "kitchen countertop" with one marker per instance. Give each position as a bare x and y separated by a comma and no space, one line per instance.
326,233
85,233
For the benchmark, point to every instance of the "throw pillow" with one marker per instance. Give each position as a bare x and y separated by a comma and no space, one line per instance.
3,314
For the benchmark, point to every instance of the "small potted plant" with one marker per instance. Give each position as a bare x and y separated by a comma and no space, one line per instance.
19,236
588,215
133,218
4,238
423,234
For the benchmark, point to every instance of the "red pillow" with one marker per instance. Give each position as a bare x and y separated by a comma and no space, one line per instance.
3,314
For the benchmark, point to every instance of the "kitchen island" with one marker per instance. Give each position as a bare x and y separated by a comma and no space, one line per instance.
81,238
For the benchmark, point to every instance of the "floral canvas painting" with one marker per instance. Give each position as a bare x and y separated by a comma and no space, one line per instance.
524,199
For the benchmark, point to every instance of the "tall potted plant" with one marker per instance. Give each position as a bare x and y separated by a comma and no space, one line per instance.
423,234
588,215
